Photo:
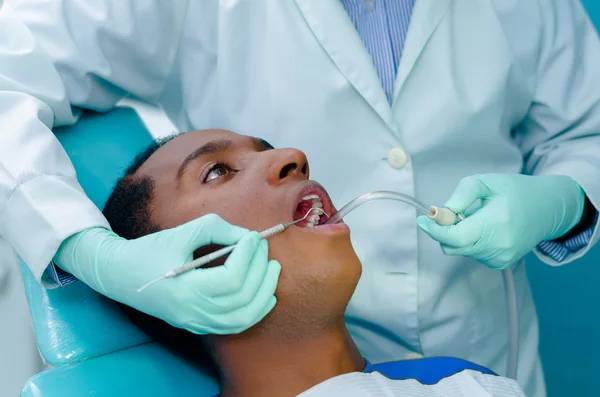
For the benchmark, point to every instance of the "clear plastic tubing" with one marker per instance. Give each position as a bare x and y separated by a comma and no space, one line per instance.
379,195
507,274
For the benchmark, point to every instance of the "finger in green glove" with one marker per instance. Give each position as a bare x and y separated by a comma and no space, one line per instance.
517,212
226,299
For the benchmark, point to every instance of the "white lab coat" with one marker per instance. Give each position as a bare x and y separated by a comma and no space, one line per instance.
482,86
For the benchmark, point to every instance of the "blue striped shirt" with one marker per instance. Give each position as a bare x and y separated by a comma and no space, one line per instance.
382,26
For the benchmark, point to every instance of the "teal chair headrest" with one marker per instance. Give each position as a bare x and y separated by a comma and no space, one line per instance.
96,349
74,322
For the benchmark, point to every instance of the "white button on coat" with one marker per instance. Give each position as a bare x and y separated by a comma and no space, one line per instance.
370,5
397,157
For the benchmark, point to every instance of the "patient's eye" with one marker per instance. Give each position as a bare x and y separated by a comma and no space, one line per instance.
216,171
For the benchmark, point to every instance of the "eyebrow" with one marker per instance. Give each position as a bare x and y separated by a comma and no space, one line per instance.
213,147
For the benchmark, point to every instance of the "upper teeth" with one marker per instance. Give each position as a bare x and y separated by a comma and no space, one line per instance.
315,216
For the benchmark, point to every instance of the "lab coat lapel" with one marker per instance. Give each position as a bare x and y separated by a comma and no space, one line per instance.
337,34
426,16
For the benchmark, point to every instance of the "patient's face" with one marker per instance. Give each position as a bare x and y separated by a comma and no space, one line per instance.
249,184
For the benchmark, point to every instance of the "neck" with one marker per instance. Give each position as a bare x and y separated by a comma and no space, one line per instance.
263,365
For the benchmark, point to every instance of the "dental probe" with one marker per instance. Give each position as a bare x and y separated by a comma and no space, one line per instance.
206,259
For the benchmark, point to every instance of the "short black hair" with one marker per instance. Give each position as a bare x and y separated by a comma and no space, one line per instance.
128,213
128,206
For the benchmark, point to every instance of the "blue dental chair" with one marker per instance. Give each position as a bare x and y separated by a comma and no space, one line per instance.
86,337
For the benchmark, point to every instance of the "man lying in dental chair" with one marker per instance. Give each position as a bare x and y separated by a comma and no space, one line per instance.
302,347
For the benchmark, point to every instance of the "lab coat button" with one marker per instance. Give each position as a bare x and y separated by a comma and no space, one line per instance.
370,5
397,158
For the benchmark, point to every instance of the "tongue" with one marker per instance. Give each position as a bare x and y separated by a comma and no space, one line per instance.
302,208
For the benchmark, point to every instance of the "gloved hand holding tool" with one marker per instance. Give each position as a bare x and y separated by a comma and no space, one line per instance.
225,299
517,213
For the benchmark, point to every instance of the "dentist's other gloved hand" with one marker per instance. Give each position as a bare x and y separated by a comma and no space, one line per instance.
517,213
225,299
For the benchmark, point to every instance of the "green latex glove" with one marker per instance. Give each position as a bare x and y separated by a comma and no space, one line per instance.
517,213
225,299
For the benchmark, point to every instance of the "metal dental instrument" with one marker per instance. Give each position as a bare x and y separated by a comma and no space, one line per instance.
206,259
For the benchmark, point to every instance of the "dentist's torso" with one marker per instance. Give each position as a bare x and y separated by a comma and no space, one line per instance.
297,74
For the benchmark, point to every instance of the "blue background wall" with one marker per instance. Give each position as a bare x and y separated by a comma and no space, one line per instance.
568,303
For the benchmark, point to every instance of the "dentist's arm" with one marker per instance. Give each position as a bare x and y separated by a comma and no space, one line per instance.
553,209
57,57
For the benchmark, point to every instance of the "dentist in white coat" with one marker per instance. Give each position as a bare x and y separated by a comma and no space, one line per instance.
412,96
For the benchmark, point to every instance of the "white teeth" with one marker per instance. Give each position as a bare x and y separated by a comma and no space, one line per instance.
311,197
313,219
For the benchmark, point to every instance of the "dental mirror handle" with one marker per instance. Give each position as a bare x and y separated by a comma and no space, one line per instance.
199,262
206,259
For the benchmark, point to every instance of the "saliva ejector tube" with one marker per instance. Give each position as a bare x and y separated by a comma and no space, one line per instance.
442,216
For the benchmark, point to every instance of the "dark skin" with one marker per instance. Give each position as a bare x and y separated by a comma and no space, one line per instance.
304,340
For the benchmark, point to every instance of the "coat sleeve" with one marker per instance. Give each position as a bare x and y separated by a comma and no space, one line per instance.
561,133
57,57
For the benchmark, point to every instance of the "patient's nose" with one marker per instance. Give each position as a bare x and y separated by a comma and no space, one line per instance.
286,164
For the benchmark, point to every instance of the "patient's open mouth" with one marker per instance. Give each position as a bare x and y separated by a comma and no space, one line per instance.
314,196
311,203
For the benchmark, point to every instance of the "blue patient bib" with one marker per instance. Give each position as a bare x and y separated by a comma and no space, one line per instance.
426,370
